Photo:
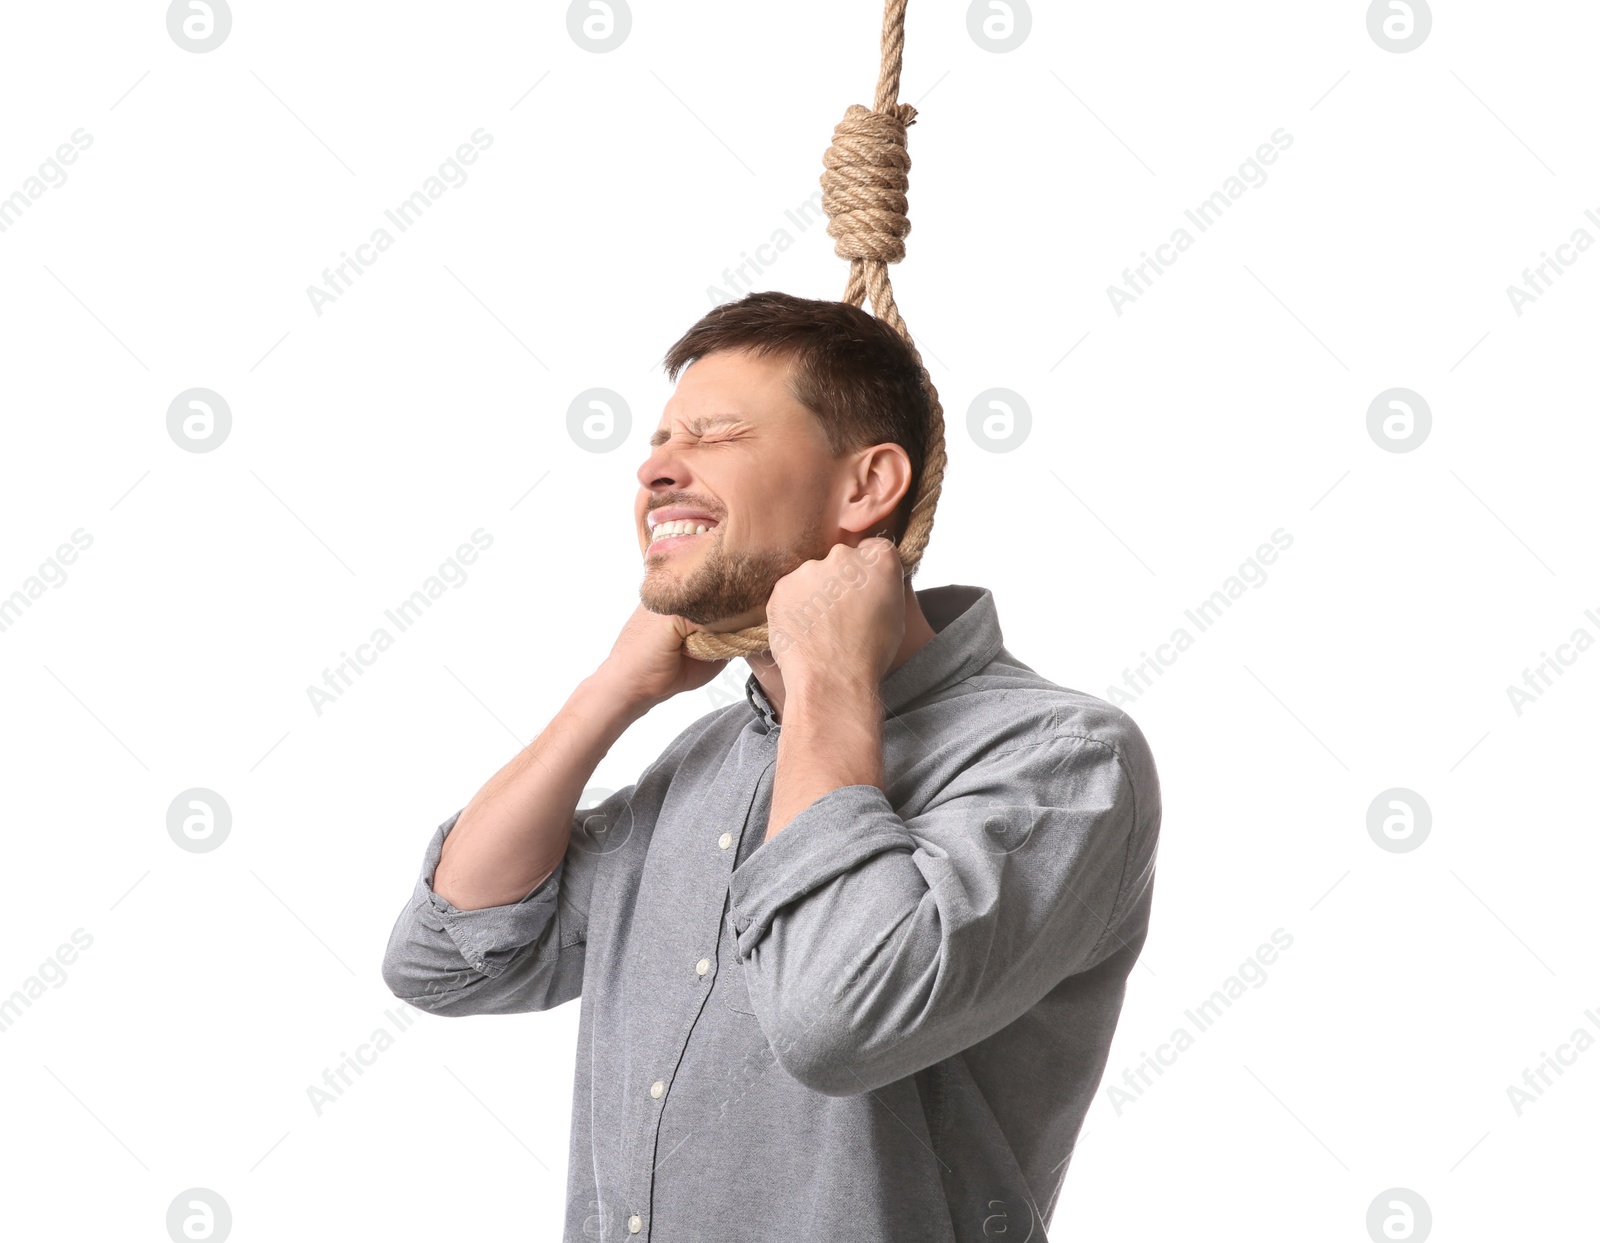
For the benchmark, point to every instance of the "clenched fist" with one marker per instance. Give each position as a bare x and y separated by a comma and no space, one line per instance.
842,617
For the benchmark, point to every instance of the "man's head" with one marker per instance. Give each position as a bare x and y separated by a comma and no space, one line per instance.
796,424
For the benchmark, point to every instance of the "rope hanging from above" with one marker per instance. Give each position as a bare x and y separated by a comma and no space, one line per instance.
867,173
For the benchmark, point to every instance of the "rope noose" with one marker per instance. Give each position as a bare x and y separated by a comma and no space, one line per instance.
864,194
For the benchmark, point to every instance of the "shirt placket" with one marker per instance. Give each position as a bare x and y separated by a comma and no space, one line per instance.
727,847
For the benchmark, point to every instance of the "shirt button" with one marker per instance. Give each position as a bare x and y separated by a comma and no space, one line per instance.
656,1089
725,840
701,967
635,1224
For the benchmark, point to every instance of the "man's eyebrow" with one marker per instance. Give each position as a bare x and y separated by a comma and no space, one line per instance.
695,426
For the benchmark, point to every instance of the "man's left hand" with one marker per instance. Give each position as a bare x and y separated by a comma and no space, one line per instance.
840,617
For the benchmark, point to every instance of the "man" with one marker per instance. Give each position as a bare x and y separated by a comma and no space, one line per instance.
850,954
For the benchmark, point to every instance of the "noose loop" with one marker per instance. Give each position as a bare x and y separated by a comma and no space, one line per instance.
864,182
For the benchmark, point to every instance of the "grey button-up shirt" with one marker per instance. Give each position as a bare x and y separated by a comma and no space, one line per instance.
886,1023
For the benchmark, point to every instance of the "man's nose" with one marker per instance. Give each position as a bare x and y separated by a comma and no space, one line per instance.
662,469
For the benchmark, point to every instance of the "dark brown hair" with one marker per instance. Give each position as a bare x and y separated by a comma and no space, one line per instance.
852,371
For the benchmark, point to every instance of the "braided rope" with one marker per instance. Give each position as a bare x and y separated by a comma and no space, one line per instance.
864,182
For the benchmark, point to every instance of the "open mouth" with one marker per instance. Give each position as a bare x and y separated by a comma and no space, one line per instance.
665,535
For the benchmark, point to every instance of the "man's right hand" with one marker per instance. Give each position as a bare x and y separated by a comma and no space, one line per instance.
648,663
516,829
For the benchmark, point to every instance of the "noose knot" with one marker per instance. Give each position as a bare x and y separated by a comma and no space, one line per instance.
864,186
864,193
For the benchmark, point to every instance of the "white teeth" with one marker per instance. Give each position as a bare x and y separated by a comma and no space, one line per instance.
682,526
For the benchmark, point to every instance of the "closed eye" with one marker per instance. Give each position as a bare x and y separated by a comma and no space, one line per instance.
697,429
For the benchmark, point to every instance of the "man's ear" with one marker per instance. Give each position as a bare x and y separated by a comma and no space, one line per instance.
885,525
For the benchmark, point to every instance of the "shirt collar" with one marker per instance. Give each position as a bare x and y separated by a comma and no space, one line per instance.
967,637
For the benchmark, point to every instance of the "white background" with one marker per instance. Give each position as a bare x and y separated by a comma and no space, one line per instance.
1167,443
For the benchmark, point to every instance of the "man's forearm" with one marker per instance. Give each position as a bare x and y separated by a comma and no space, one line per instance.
831,737
516,828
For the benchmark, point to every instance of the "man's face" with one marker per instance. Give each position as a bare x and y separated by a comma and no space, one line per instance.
735,452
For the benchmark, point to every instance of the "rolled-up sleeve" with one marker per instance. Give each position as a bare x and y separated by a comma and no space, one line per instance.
528,954
874,946
494,960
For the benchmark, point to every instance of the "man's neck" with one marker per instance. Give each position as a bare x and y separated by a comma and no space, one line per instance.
917,633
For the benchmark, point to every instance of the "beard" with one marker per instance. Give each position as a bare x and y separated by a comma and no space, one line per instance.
725,584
